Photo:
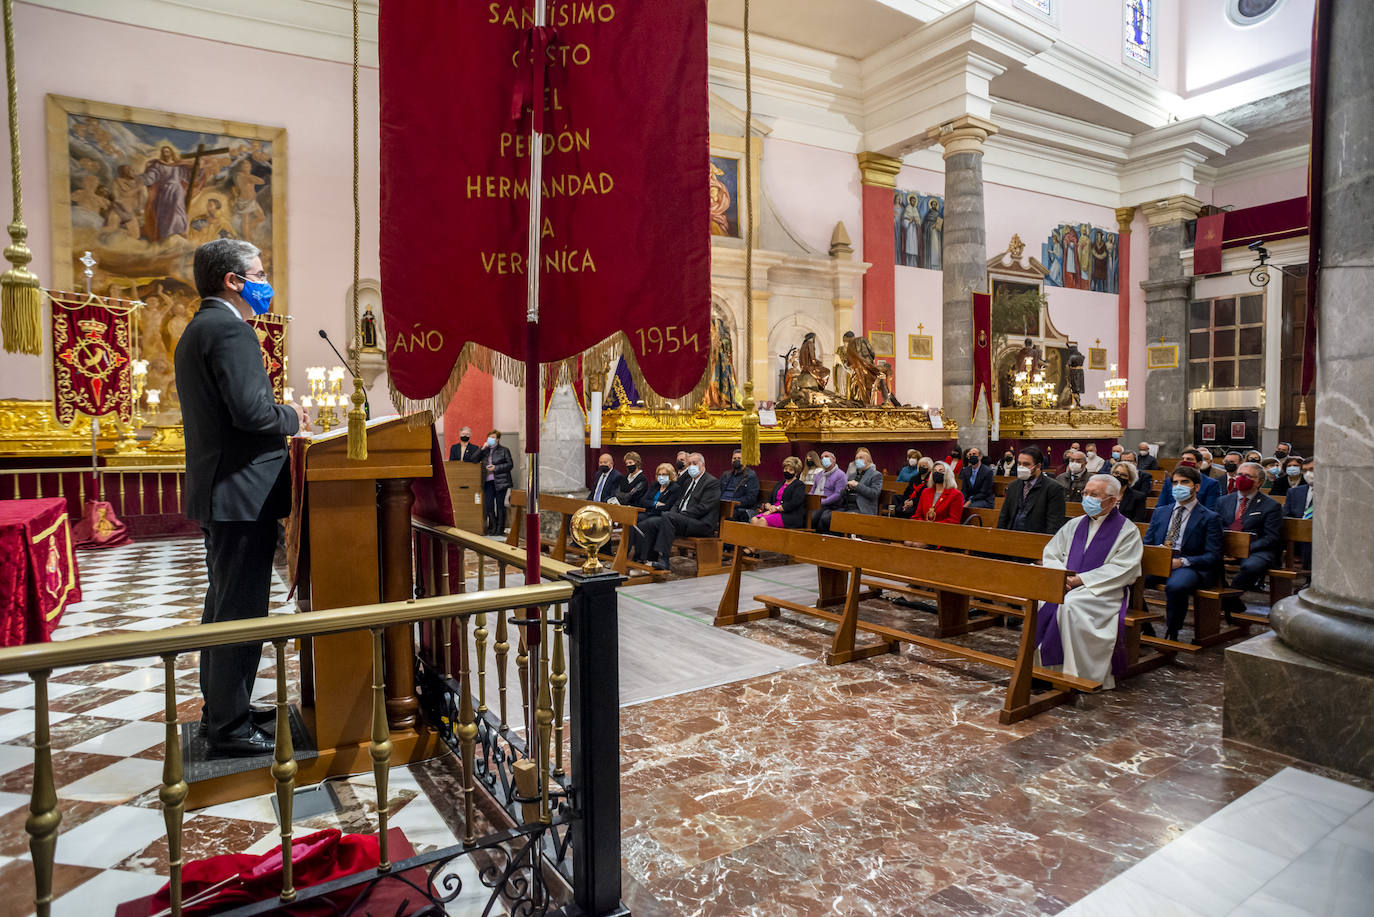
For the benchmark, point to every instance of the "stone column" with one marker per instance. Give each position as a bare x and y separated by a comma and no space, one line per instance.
878,177
965,267
1167,294
1124,217
562,446
763,360
1307,688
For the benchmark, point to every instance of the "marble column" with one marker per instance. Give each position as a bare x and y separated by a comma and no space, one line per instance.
964,256
764,362
562,446
1167,294
1124,217
1307,688
878,178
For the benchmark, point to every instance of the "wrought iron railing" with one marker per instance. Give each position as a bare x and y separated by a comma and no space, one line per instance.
550,814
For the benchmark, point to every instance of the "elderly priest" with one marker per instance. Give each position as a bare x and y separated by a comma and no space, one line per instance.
1102,548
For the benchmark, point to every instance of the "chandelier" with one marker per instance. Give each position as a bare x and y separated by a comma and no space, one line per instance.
1114,395
1030,389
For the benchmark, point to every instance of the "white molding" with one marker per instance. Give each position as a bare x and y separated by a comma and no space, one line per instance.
1259,166
1263,86
1105,82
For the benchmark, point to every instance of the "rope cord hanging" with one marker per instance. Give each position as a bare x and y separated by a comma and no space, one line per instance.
21,299
357,418
750,453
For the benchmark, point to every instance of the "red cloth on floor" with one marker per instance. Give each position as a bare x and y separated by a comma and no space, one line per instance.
38,575
100,527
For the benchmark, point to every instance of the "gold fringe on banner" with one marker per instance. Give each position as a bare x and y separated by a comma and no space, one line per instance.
21,300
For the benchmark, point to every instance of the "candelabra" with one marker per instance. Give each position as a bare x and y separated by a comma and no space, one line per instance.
1115,394
129,443
326,396
1030,389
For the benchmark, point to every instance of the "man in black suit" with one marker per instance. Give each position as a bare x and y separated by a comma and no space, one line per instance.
1251,510
1035,501
1145,458
608,480
497,464
238,481
740,484
696,514
1193,533
463,450
975,480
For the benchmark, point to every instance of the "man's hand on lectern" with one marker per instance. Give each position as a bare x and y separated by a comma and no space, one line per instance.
302,417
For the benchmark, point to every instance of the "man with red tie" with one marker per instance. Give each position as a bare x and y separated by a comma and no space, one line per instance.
1251,510
1231,463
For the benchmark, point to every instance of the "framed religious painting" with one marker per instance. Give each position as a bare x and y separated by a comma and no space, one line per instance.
1161,356
729,183
884,343
920,347
1097,358
1238,431
140,189
1209,433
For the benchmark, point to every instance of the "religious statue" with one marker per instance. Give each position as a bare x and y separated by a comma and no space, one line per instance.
368,331
722,394
807,382
1071,395
861,367
1029,351
882,389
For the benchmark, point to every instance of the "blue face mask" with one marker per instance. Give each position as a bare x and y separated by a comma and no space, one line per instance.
694,470
258,295
1091,505
491,440
825,461
860,464
663,480
1182,492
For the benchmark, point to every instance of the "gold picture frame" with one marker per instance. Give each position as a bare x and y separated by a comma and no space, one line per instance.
1097,358
1161,356
920,347
727,151
884,343
140,189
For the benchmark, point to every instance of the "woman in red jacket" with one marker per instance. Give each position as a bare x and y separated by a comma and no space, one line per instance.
941,501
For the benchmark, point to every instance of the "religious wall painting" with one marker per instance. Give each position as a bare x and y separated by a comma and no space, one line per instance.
918,229
140,190
1161,356
920,347
1097,358
1209,433
728,183
1080,256
884,343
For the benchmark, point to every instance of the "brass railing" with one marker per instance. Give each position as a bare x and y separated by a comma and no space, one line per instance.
39,660
130,499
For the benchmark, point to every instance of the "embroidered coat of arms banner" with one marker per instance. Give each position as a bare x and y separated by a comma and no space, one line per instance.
92,354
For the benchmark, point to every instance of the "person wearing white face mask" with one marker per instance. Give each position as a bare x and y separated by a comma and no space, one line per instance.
1104,548
1092,462
695,514
1074,480
1297,503
1290,477
909,471
864,487
1035,501
830,487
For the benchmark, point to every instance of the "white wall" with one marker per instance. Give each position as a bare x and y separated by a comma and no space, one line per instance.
87,58
1217,52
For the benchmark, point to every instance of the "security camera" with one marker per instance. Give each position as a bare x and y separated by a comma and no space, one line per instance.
1256,245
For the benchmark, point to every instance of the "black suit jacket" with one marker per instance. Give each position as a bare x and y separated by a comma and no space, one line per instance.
704,500
609,489
1046,512
1146,462
980,493
236,468
1263,521
793,505
462,452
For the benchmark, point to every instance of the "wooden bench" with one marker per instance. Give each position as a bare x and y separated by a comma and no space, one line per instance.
1283,579
561,546
842,562
1024,547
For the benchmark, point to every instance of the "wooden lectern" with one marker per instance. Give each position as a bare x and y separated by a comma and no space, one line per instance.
465,492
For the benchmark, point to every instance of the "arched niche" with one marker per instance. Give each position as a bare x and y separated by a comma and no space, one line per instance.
786,333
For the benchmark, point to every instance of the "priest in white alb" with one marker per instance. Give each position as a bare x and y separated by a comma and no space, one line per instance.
1102,551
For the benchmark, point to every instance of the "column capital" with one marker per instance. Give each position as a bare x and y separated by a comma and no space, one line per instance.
1180,207
878,170
1124,217
964,134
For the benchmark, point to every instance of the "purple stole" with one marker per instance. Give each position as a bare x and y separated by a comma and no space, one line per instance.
1082,558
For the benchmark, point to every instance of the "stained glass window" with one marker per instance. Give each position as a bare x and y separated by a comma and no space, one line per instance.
1043,7
1140,33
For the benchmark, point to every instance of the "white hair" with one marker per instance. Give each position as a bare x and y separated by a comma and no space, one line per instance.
1131,471
1112,484
1259,469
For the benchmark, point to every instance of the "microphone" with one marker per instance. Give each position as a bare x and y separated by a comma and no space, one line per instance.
367,407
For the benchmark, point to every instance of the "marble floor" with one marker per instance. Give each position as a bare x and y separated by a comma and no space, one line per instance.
757,780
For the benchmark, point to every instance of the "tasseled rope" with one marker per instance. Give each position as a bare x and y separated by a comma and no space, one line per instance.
21,297
357,418
750,453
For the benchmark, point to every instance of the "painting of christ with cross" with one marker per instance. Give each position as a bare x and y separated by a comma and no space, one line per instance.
141,189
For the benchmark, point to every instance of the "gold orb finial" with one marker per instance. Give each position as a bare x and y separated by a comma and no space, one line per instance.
590,527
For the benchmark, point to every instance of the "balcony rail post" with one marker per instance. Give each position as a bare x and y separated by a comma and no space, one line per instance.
592,627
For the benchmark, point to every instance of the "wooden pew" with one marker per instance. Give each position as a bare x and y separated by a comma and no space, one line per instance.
843,561
559,547
1025,547
1283,579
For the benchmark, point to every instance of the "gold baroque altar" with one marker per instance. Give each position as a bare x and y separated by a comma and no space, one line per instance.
30,429
1059,423
626,426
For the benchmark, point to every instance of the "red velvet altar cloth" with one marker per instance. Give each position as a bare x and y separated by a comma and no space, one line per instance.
1269,222
625,229
38,576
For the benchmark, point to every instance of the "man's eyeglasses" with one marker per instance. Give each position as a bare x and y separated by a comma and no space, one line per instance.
259,276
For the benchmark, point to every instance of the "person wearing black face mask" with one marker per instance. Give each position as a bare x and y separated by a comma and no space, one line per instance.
740,484
1132,503
1282,451
463,450
681,463
634,485
607,481
1007,466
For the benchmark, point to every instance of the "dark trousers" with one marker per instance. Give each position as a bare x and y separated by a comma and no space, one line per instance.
820,520
655,536
1178,589
495,500
238,561
1251,570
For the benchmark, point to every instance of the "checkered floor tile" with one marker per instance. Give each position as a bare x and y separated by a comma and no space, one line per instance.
108,728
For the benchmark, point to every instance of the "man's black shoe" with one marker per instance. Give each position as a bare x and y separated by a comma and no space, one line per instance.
255,744
660,565
263,717
1148,629
1171,635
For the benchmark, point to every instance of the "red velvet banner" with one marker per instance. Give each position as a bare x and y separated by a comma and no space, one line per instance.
271,331
982,352
625,228
92,340
1207,246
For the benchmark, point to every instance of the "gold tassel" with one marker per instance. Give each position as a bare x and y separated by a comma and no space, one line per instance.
21,298
357,423
749,444
1302,412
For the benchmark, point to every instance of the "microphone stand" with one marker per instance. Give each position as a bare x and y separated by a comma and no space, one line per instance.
367,407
